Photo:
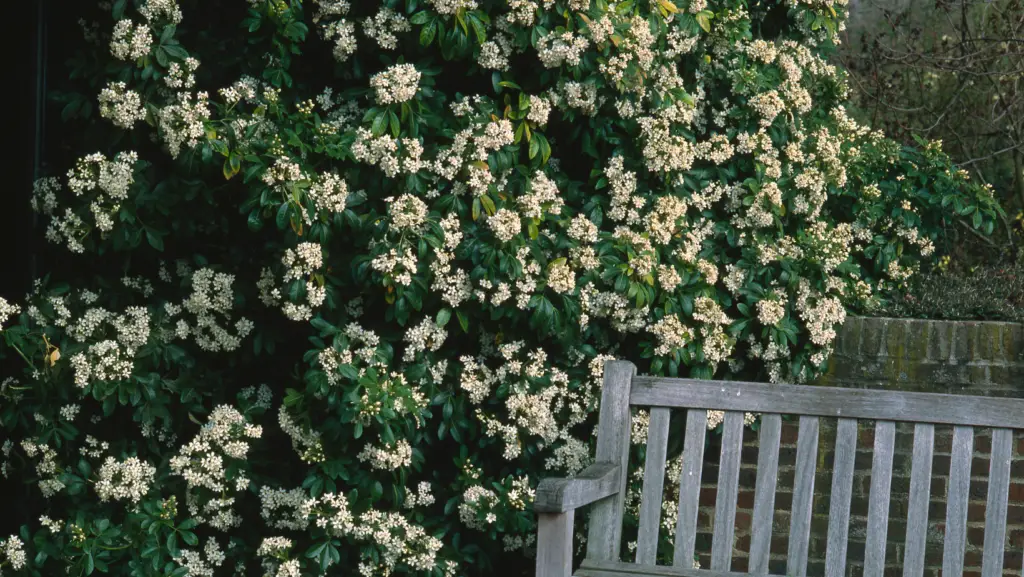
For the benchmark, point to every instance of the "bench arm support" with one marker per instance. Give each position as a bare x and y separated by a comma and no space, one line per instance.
556,502
596,482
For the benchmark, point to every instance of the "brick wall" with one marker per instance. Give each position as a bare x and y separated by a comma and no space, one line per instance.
978,358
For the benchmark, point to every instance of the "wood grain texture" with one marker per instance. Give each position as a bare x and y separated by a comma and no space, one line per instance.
803,497
764,493
829,402
878,498
842,494
917,504
957,494
728,491
995,506
591,568
554,544
605,533
654,481
596,482
689,487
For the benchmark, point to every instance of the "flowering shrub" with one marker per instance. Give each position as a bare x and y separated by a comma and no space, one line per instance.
368,267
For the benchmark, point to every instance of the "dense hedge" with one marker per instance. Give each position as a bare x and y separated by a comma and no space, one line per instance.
349,271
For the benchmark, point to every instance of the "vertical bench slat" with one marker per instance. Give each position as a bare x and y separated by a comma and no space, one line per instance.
956,502
878,498
842,492
995,507
654,479
764,493
689,487
604,537
803,496
728,488
917,503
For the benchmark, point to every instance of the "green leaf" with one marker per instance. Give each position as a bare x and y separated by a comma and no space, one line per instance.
534,146
704,19
155,240
428,33
380,123
396,129
443,316
283,216
488,205
463,321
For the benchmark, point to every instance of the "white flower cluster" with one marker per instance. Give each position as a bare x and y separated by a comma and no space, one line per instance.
770,311
203,463
384,27
273,546
407,213
477,508
130,41
121,106
13,553
388,457
182,76
421,497
196,565
426,336
210,303
44,195
671,334
540,110
108,359
506,224
284,508
450,7
125,480
161,11
556,49
396,84
47,468
7,310
184,123
306,259
109,180
328,193
343,34
331,513
398,541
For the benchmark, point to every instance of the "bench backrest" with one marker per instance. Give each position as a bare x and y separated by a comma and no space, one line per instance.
623,389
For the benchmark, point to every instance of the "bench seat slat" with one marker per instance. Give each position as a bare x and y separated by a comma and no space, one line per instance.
592,568
917,503
689,487
803,496
654,480
957,495
764,493
878,498
995,507
829,402
727,491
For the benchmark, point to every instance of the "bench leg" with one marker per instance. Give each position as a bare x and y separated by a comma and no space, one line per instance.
554,544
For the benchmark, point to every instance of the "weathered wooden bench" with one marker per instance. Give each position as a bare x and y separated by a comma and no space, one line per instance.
603,485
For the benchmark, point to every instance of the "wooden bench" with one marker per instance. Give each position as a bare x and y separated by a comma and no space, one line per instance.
603,485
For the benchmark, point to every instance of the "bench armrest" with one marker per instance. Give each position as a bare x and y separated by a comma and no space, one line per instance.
596,482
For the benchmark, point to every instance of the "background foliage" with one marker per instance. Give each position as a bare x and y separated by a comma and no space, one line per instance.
338,293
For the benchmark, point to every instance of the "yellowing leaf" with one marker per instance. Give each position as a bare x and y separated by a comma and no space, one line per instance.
668,6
